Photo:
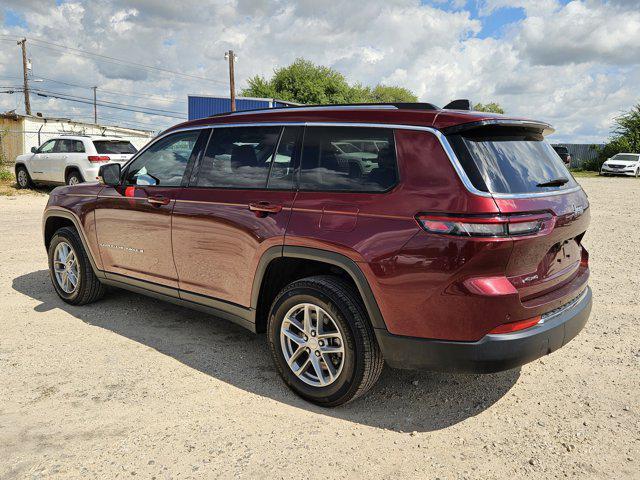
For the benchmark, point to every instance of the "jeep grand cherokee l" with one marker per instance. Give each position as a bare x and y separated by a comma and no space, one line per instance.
456,247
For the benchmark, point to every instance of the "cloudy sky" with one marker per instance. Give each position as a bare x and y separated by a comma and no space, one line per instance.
575,64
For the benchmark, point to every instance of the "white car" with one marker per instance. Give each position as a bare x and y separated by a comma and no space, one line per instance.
70,159
622,164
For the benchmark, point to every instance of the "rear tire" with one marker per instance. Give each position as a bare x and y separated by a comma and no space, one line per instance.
73,178
70,269
23,179
343,326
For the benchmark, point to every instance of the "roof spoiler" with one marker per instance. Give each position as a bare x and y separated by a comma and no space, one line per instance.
544,128
460,104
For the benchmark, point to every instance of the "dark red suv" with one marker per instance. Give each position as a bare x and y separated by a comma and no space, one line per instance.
352,235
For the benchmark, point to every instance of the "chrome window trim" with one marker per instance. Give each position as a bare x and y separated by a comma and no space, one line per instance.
437,133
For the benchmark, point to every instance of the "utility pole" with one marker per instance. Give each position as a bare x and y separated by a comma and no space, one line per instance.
232,82
95,107
27,103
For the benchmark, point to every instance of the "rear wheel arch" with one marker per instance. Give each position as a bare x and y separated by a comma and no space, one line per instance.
72,169
280,266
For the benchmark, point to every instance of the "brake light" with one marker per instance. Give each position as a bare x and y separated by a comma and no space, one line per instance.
490,286
98,158
492,226
516,326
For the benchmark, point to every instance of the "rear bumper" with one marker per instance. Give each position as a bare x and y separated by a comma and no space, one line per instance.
493,353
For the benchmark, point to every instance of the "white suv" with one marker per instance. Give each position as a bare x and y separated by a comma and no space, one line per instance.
70,159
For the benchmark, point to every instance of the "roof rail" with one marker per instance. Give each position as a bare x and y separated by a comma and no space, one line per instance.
342,106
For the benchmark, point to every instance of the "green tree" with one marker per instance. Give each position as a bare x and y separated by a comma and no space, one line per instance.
492,107
627,126
390,94
305,82
625,139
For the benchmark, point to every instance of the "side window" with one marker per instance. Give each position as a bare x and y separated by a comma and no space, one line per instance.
47,147
281,171
77,146
238,157
63,146
353,159
164,162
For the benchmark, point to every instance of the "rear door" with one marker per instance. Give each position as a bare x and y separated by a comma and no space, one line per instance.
63,153
237,206
133,221
526,177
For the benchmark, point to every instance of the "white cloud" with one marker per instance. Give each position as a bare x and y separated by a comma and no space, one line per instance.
574,65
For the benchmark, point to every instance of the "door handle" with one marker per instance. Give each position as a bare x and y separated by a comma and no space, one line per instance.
158,200
264,208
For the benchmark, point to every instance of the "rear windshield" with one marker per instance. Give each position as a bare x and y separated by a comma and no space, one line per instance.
114,147
510,160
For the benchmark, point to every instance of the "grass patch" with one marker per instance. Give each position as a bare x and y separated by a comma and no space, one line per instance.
8,187
6,175
584,173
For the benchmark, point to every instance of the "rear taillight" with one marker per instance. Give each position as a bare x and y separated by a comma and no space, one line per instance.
492,226
516,326
98,158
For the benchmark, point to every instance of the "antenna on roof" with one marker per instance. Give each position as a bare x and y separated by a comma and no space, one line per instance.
460,104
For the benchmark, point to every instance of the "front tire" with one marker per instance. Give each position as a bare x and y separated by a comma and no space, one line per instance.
23,179
322,342
70,269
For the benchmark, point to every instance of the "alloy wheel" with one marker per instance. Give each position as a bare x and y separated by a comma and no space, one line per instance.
23,181
65,267
312,344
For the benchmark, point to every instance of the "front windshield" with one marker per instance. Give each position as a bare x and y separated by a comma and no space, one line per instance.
625,157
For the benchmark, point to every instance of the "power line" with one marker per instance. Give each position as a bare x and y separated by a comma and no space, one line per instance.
108,59
107,102
117,106
108,106
113,92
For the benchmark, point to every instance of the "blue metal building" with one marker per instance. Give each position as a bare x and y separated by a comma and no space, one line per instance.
201,106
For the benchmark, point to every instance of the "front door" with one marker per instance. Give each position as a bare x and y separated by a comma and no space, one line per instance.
236,207
133,221
40,162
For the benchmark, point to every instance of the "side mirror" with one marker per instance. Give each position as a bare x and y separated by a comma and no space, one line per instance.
34,149
109,174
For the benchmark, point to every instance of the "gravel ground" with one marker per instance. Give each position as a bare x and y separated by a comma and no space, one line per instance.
131,386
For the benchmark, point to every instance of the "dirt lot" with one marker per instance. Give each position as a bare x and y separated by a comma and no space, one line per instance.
134,387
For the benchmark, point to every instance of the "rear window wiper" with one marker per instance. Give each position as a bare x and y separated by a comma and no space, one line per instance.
556,182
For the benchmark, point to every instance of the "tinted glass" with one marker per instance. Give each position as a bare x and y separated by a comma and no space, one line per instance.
164,162
348,159
238,157
503,160
63,146
114,147
625,157
281,170
77,146
47,147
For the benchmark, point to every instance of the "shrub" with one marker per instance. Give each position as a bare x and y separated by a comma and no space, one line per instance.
616,145
5,175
